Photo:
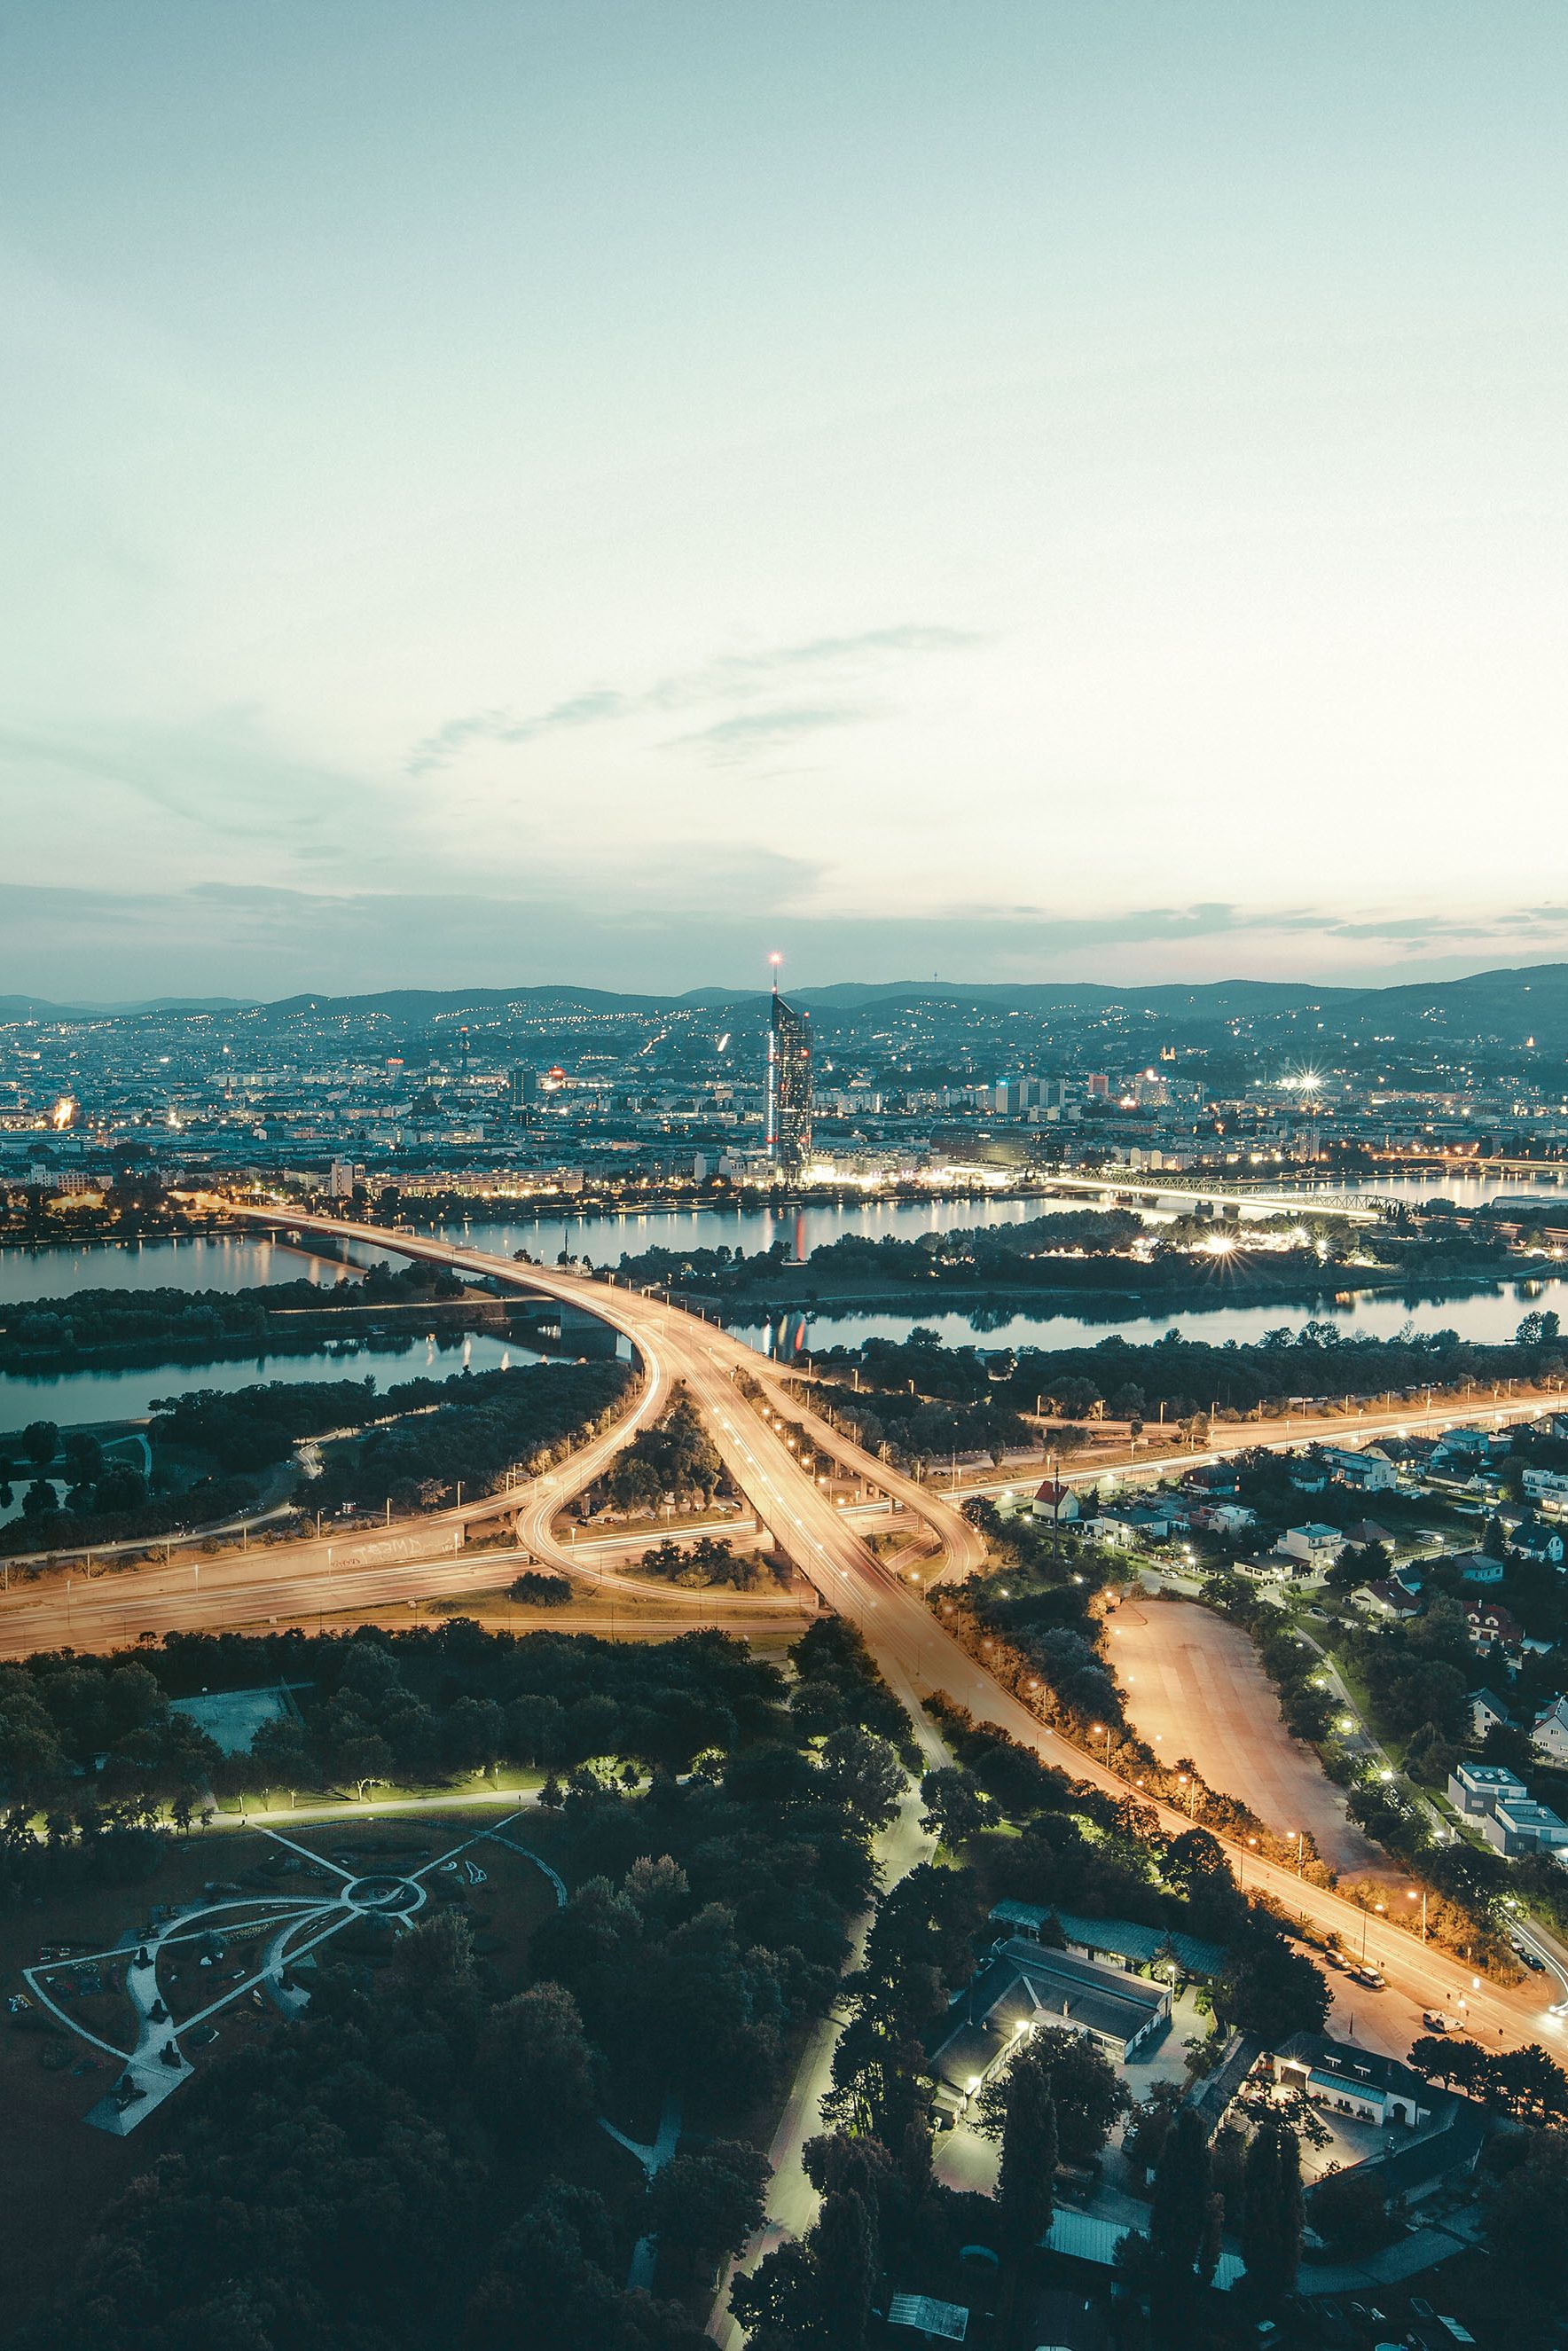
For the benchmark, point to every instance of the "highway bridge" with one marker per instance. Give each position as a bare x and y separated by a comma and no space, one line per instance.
1165,1188
913,1650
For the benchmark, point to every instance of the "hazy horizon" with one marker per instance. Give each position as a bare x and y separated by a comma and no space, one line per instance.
520,491
957,984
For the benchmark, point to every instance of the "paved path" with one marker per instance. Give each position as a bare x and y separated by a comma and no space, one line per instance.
1195,1687
791,2203
653,2158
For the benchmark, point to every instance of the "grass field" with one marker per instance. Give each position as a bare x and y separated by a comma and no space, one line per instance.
56,2174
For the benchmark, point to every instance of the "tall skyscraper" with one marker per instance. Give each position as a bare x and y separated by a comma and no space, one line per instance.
788,1086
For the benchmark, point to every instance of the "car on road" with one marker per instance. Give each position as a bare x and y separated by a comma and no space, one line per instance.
1436,2022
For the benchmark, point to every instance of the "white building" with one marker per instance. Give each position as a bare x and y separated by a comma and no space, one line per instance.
1547,1487
1367,1473
1317,1546
1055,1501
1549,1734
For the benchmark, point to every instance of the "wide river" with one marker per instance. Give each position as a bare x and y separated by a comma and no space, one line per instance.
244,1262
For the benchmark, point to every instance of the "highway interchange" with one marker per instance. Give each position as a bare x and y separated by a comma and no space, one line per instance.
910,1648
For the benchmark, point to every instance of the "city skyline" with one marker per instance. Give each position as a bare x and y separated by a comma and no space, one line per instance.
584,494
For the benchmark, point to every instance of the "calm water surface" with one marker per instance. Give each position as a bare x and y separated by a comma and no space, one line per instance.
244,1262
76,1396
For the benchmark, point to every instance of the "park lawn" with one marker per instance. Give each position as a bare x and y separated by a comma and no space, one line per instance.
58,2176
277,1808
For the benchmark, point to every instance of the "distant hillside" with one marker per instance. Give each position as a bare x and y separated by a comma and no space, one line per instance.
1501,1007
416,1005
38,1008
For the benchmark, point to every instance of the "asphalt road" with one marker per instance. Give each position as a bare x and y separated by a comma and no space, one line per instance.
908,1642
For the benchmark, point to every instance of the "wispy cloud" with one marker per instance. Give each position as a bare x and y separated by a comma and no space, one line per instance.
1522,922
220,778
749,731
730,678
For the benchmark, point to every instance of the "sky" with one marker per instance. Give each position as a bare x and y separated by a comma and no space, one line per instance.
493,494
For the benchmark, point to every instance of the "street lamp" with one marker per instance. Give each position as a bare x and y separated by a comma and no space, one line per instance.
1299,1840
1103,1730
1410,1896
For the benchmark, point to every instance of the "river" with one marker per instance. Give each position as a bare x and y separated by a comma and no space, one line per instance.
71,1398
1492,1315
243,1262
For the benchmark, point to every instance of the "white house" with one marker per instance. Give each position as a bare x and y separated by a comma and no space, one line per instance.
1055,1501
1478,1789
1520,1825
1367,1473
1348,2079
1547,1487
1473,1444
1548,1737
1476,1567
1317,1546
1387,1597
1228,1518
1487,1708
1532,1539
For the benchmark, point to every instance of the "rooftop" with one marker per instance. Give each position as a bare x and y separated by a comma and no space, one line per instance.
1125,1937
1023,1984
1361,2068
948,2321
1496,1776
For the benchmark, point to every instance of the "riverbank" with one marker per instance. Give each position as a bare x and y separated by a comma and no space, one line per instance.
1093,1298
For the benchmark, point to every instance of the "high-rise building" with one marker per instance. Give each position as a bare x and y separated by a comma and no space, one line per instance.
789,1132
523,1091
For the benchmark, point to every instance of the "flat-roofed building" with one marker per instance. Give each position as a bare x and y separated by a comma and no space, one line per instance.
1477,1789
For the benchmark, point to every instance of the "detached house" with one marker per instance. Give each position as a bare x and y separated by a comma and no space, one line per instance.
1351,2080
1493,1626
1370,1472
1388,1597
1317,1546
1534,1539
1486,1708
1549,1735
1055,1501
1547,1489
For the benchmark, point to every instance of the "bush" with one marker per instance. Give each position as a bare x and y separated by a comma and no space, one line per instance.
535,1588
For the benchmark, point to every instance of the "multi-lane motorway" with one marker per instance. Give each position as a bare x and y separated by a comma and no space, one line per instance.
914,1652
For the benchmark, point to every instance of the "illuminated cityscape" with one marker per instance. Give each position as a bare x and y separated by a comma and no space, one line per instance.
783,1177
787,1127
